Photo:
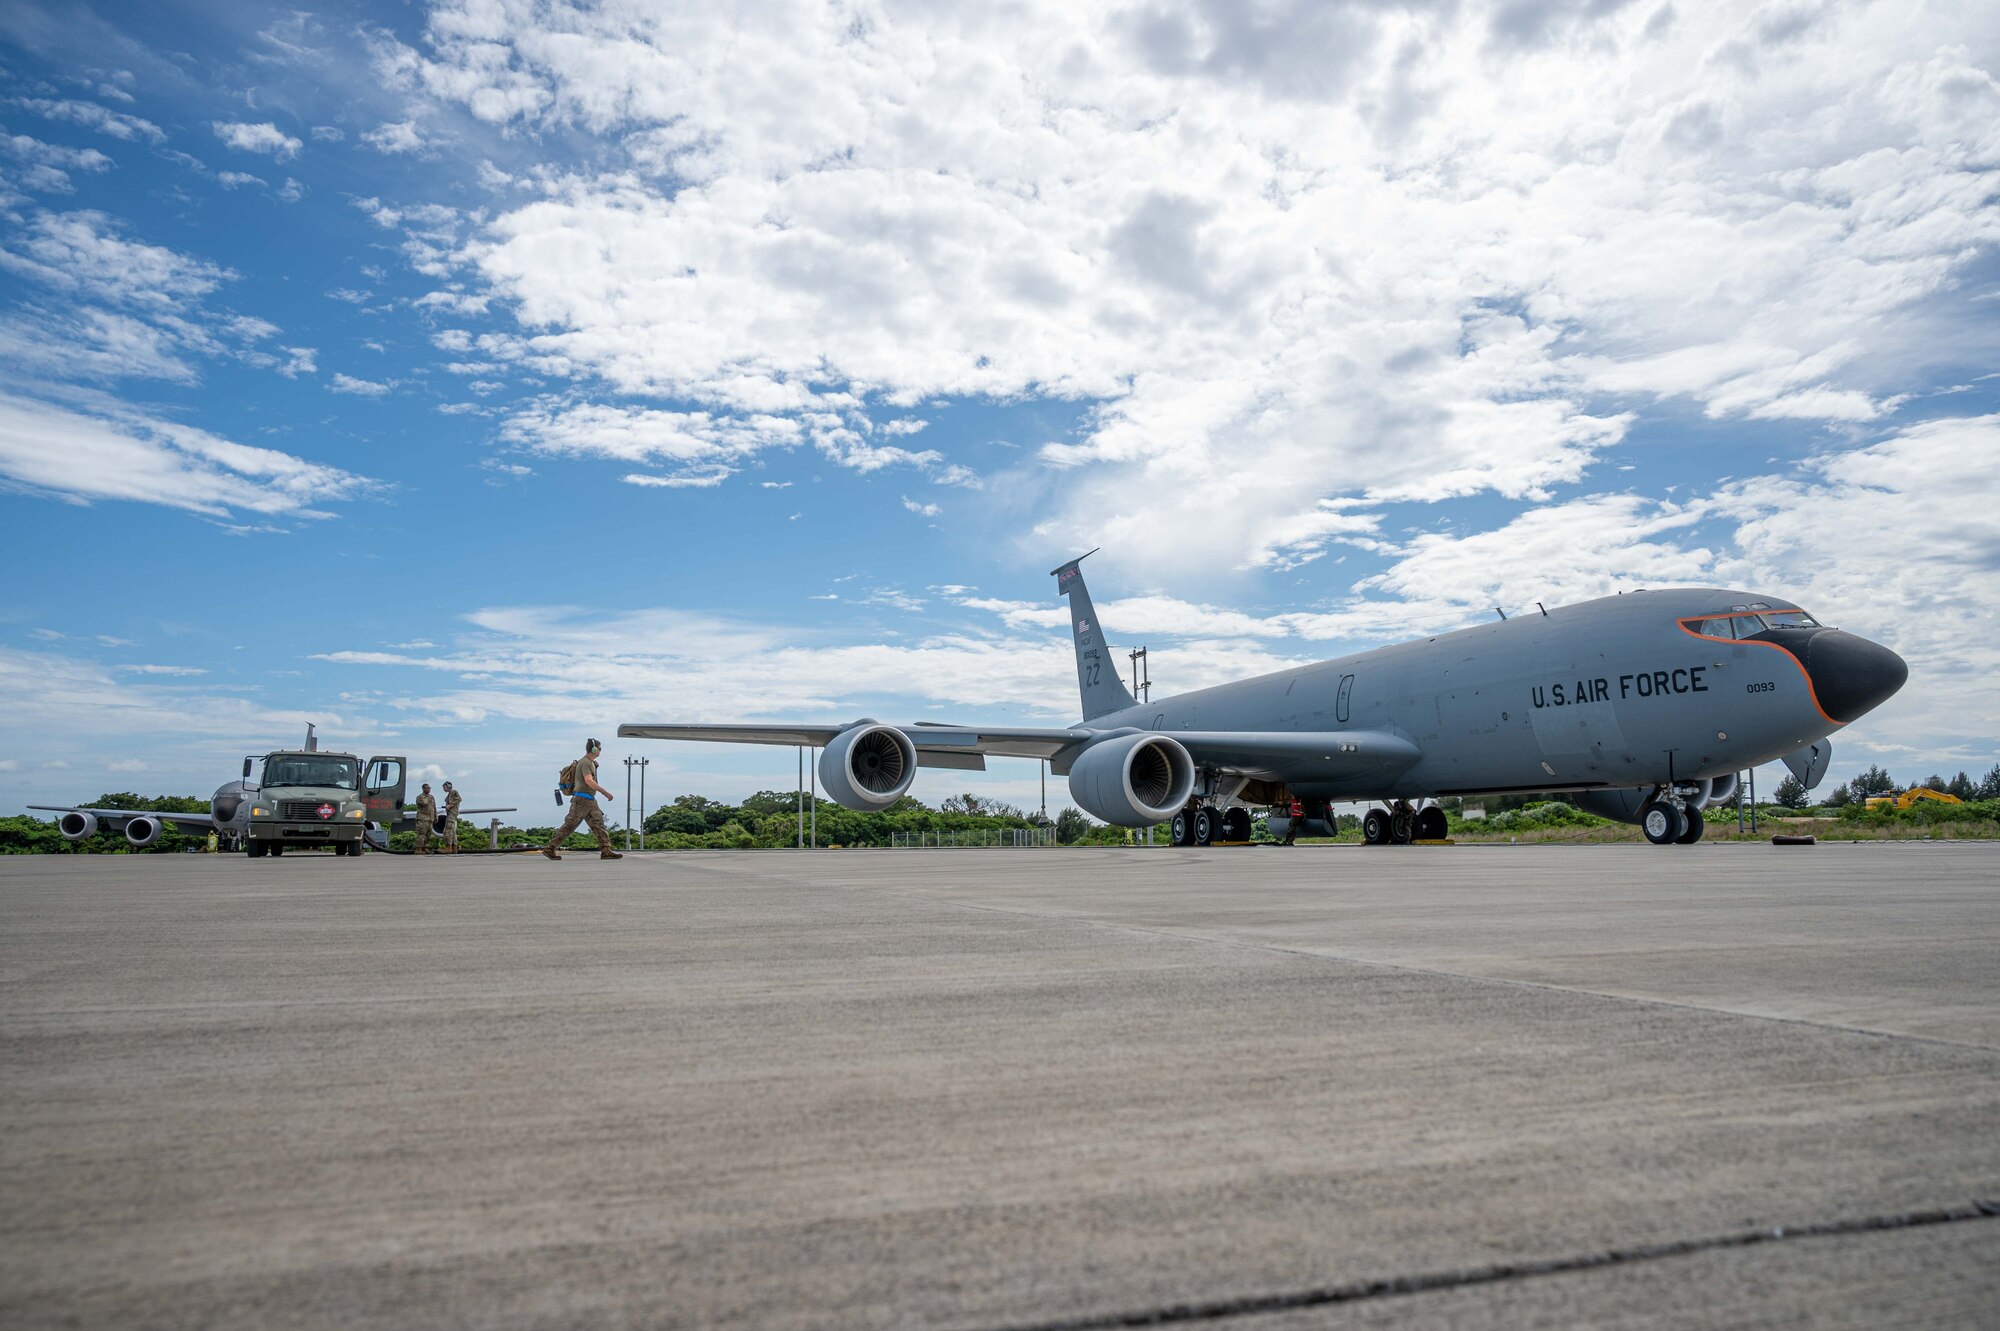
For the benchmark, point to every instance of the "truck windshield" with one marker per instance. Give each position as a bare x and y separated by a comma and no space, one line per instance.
312,769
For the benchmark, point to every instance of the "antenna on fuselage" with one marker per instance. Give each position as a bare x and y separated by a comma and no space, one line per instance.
1544,609
1502,613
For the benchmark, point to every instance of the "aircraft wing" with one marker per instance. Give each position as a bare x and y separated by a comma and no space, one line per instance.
1274,755
115,819
937,745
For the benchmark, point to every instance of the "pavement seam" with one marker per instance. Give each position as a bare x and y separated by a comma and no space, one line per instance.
1360,1291
1541,986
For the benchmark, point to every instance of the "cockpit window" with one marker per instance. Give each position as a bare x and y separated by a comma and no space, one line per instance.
1747,621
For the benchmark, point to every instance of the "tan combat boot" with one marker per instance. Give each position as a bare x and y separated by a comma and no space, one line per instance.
609,855
550,851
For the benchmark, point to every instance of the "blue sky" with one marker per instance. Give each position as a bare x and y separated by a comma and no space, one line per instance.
468,378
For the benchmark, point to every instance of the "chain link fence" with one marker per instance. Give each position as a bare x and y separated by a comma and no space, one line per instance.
1007,838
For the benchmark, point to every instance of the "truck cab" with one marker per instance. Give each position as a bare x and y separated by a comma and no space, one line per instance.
307,798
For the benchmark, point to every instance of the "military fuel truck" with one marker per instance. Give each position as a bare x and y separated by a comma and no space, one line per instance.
309,798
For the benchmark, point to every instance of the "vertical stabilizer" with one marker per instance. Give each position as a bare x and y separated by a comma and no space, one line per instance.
1097,676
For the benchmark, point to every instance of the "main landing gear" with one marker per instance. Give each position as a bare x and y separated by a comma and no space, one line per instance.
1204,825
1400,824
1671,818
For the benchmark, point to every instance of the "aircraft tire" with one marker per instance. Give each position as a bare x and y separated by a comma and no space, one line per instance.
1236,824
1204,827
1661,822
1375,828
1182,828
1402,829
1430,824
1692,834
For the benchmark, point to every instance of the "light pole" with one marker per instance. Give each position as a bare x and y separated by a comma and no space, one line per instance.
642,804
812,776
802,797
629,760
1142,676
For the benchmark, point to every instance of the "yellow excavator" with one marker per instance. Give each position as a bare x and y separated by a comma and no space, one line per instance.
1908,798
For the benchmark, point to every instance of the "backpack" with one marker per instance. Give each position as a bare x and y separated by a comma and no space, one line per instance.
566,781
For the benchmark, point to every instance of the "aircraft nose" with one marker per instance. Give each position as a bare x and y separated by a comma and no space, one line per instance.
1851,676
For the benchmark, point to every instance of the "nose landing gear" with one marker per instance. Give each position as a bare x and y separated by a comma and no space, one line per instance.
1672,818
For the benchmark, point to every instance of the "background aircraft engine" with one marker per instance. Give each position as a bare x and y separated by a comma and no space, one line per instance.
77,826
1133,780
868,766
142,831
1721,790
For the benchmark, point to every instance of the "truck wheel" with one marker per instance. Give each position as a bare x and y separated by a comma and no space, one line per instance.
277,849
1661,822
255,850
1375,828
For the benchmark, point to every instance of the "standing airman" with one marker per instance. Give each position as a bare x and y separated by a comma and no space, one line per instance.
584,795
427,815
451,803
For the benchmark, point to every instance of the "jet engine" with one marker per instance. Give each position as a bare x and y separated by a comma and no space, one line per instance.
1133,780
1721,790
77,826
868,766
142,831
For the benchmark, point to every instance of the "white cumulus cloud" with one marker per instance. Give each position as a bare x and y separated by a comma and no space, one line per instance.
258,138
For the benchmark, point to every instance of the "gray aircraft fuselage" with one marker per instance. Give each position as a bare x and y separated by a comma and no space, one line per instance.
1622,691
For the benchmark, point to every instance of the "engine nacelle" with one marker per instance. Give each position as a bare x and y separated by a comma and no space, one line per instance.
1133,780
868,766
77,826
1721,790
143,831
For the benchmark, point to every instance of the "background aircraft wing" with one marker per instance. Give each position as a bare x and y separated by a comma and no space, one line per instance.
1299,755
115,819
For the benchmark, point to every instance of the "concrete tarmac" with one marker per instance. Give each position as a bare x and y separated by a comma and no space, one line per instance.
1341,1087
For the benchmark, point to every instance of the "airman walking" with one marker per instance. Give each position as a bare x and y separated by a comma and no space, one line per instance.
451,803
584,793
427,813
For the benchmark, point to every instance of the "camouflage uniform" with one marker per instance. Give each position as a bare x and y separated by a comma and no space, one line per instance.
427,813
583,809
451,803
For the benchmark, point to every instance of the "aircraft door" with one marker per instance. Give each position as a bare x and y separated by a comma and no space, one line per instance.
382,788
1342,698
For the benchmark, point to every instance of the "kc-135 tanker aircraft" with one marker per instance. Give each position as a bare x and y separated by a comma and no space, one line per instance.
1641,707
